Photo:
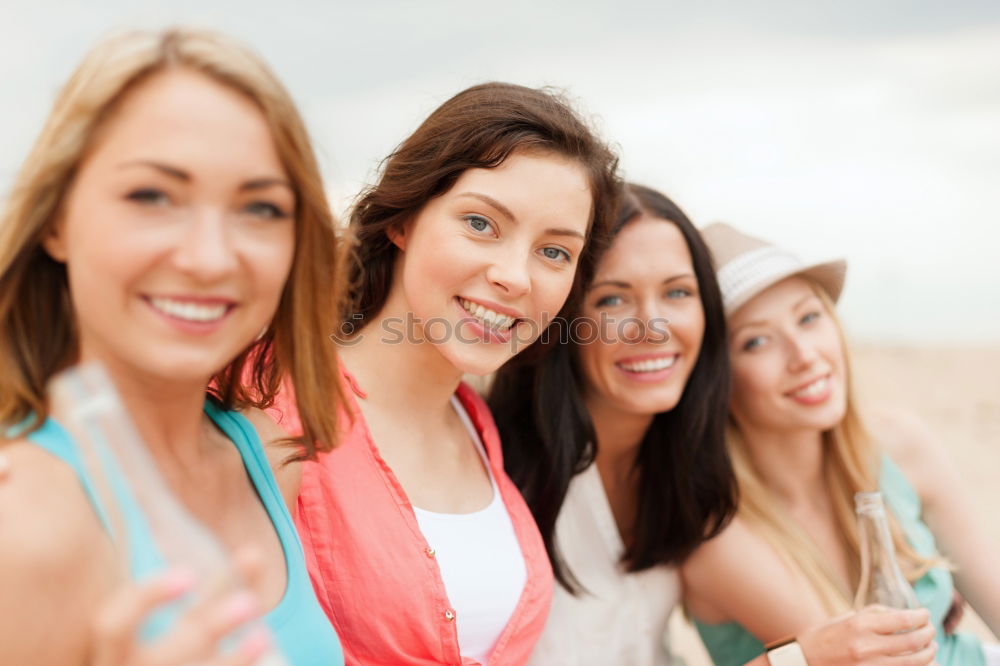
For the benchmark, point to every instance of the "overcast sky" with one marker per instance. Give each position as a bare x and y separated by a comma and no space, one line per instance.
856,128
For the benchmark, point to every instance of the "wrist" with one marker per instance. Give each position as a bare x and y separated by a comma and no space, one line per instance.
785,652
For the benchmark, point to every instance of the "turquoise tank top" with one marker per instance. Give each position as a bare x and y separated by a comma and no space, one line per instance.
298,625
729,644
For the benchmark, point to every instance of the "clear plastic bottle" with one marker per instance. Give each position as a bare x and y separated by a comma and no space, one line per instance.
124,476
881,581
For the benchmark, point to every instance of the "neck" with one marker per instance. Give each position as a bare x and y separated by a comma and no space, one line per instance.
791,463
169,416
619,435
408,376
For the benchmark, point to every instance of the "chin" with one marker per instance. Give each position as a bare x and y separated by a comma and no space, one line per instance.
477,362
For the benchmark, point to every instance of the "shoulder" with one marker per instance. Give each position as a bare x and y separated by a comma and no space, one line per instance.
912,446
279,448
51,542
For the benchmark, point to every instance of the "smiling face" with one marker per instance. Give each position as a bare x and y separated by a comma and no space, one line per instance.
788,361
484,267
178,230
642,322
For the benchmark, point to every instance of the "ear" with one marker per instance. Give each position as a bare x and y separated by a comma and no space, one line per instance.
398,236
54,242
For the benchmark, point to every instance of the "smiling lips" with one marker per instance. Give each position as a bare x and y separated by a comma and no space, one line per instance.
202,311
648,367
813,392
487,317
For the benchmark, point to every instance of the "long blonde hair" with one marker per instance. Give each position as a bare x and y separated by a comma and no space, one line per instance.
37,327
851,461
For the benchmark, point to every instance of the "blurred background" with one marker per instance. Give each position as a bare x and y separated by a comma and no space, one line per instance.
869,130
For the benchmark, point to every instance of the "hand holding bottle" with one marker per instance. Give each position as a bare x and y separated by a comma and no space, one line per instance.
195,637
873,635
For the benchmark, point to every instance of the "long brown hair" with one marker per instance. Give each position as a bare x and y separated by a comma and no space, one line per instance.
476,129
38,334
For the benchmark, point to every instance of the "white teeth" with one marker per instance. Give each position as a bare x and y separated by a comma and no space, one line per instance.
492,319
649,365
189,311
813,389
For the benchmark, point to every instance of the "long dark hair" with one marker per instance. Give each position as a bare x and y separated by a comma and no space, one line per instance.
478,128
686,489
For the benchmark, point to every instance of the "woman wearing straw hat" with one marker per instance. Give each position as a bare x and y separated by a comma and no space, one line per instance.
617,442
790,558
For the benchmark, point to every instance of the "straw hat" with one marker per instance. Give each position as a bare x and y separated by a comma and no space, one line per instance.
747,266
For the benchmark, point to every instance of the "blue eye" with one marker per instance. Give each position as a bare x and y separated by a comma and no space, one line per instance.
148,196
477,223
679,292
266,210
753,343
609,301
809,318
555,253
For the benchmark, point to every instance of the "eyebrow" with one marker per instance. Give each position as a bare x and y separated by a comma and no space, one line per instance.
179,174
626,285
506,212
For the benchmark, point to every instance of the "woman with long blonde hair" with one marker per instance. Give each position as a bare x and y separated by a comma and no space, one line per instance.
800,451
170,224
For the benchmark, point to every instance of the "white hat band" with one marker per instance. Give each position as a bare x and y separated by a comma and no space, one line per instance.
745,274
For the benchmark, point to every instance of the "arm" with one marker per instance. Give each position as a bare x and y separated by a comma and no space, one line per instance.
948,510
56,563
738,577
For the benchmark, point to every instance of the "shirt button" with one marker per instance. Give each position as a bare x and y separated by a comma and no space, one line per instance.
430,552
449,615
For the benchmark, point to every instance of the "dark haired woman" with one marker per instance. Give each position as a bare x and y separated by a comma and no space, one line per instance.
617,442
421,549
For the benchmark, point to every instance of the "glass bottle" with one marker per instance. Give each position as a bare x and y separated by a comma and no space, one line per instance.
881,580
125,476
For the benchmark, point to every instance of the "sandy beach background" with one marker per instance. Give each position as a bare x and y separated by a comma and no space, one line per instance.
956,392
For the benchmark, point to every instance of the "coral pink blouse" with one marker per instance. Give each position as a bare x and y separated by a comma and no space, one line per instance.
375,575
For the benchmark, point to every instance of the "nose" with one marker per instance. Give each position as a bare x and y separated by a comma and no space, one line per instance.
207,251
801,352
510,273
648,324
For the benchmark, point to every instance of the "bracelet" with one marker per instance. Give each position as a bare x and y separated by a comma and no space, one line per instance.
785,652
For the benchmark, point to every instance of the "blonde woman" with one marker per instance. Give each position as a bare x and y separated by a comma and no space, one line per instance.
169,223
790,558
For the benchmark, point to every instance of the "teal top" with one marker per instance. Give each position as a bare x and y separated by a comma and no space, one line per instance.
730,644
298,625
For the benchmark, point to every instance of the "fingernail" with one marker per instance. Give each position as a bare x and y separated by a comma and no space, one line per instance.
256,642
242,606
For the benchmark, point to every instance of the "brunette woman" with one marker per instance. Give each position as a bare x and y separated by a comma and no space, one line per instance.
476,233
616,440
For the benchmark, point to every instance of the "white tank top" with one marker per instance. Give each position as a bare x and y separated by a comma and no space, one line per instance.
481,563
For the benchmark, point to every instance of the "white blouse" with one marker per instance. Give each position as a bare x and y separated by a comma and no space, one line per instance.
620,618
481,563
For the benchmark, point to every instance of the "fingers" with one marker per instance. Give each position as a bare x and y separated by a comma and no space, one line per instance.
200,631
919,658
197,636
883,620
905,643
118,621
